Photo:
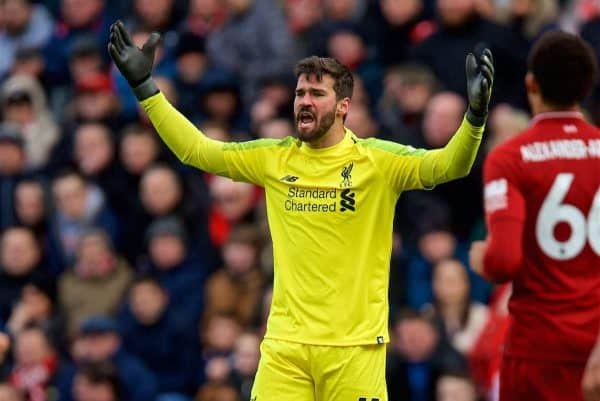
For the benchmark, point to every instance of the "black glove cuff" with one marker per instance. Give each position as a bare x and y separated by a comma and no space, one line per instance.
145,89
476,118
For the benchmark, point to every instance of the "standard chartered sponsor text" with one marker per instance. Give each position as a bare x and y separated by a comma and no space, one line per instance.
311,200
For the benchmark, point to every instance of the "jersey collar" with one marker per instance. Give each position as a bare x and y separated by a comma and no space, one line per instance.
556,114
347,141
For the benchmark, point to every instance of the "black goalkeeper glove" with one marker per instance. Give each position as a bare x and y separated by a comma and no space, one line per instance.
480,79
134,63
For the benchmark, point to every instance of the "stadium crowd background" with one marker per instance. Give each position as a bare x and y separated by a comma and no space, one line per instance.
127,276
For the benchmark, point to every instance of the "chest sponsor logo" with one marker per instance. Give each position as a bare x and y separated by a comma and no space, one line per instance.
320,200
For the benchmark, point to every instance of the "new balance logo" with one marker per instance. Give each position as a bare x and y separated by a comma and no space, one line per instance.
347,202
365,399
289,178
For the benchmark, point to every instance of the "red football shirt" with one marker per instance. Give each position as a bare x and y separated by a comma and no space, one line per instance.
542,203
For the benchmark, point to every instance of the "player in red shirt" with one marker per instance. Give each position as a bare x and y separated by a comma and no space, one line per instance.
542,205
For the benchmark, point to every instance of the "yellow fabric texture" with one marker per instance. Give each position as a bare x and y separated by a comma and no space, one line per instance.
330,213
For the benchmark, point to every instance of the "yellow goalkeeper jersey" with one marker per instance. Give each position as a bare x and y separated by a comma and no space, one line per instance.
330,213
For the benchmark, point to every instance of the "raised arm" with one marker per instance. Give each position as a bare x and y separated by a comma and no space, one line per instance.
188,143
456,158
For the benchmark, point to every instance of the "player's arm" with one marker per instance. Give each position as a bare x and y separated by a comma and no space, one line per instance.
456,158
590,383
240,161
181,136
500,256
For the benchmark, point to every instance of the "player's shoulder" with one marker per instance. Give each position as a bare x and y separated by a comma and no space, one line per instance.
387,147
262,143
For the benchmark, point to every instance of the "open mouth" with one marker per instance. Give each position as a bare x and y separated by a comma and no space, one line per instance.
305,119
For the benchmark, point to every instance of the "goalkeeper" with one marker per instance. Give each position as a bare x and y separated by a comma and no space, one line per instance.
330,204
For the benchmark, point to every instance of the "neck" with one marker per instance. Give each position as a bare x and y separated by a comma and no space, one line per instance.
333,136
543,107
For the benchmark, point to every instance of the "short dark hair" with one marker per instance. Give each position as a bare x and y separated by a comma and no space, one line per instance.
318,66
564,66
102,373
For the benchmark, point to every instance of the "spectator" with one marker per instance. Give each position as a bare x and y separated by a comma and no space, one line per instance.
528,18
156,334
20,263
460,319
80,205
455,386
155,15
97,382
221,102
177,268
99,341
236,288
418,357
12,168
38,370
245,362
361,121
24,103
25,25
94,100
31,207
97,281
217,392
204,16
256,31
276,128
37,306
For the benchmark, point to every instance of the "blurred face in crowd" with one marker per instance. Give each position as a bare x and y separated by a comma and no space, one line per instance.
191,66
95,105
302,14
239,257
19,111
399,12
79,13
138,152
221,333
14,15
12,158
238,6
160,190
315,106
32,65
148,301
233,199
31,347
20,252
220,104
453,388
216,131
450,282
167,251
97,347
86,390
37,303
411,95
455,12
443,116
415,338
70,195
347,47
360,121
85,65
95,258
246,354
29,202
93,148
9,393
154,13
276,128
340,9
437,245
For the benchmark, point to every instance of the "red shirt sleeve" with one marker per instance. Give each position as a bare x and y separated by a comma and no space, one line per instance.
505,216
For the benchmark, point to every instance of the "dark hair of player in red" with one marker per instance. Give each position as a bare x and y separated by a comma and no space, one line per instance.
564,66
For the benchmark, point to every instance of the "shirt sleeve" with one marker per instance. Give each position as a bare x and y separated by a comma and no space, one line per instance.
408,168
504,206
241,161
454,160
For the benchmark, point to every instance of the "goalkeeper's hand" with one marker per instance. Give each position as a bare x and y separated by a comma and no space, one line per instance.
480,79
134,63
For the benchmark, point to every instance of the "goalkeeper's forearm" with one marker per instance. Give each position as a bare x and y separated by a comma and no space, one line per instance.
455,159
188,143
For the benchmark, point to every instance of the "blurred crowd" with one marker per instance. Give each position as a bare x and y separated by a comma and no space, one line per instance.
127,276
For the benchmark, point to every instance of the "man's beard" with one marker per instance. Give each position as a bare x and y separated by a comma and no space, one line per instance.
319,130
